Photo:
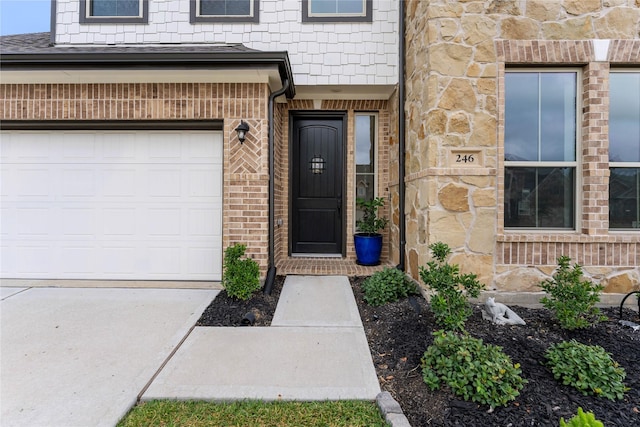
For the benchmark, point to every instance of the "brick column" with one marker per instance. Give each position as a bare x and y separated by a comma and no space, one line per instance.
595,149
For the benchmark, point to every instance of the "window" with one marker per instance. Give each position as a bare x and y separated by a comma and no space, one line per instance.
224,11
365,134
114,11
336,10
540,149
624,150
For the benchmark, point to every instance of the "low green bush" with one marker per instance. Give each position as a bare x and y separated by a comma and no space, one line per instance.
386,286
582,420
240,277
588,368
572,299
452,290
475,371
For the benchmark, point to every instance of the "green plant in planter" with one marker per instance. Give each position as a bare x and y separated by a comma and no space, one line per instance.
572,299
588,368
370,222
240,277
452,290
386,286
582,419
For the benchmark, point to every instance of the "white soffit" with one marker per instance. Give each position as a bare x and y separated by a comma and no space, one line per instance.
270,76
356,92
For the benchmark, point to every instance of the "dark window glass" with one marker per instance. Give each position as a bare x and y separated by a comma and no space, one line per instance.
539,197
624,198
540,128
624,117
540,116
225,7
115,8
339,7
366,129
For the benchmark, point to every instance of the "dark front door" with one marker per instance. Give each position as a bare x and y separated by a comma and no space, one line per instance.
317,185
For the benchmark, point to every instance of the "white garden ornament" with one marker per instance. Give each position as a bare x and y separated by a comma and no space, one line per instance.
500,314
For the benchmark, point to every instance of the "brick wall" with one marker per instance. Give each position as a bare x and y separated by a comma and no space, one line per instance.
245,166
282,182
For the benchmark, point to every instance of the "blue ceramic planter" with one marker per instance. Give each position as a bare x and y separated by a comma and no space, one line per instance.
368,248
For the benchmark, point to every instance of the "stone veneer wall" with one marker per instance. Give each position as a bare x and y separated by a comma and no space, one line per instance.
282,151
245,166
457,54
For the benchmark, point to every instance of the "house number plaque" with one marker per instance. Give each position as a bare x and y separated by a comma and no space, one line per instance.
465,158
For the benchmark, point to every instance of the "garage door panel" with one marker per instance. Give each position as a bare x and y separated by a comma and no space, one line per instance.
34,257
112,205
83,259
163,222
204,222
200,261
119,222
119,182
205,183
78,147
76,182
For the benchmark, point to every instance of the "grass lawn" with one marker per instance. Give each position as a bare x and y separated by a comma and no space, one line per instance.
254,413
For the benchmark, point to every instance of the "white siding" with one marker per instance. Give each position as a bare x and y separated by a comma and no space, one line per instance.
321,53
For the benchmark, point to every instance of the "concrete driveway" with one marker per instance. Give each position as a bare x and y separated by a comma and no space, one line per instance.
80,357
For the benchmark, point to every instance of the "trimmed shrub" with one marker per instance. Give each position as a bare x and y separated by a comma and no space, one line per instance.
588,368
572,299
475,371
240,277
387,285
452,290
582,420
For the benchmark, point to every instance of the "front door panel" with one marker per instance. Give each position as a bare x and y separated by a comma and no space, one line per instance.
317,185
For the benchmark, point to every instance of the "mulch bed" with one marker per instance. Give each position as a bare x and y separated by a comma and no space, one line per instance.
227,311
400,332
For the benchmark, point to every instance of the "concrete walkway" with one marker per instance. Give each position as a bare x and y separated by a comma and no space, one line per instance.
81,357
315,349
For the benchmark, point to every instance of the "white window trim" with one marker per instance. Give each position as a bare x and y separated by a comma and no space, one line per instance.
327,15
576,164
196,17
87,18
375,158
364,16
250,15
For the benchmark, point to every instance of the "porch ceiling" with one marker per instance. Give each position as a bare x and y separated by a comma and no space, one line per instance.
357,92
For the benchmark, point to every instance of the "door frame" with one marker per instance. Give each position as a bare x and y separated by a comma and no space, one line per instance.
314,114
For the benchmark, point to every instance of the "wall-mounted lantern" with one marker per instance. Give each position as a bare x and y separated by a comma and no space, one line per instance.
242,129
317,164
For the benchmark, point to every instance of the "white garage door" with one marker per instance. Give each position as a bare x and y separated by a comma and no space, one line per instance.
126,205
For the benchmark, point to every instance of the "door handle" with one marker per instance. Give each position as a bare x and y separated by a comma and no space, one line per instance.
339,203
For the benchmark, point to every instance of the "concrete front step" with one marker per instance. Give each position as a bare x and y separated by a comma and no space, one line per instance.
315,349
270,363
317,301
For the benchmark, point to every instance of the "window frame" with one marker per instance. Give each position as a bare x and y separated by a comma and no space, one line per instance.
620,165
142,18
575,164
307,16
374,173
195,17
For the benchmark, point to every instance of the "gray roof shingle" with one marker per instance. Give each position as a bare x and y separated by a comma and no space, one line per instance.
35,50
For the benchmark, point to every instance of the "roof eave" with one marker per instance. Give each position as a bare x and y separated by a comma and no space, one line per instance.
150,60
